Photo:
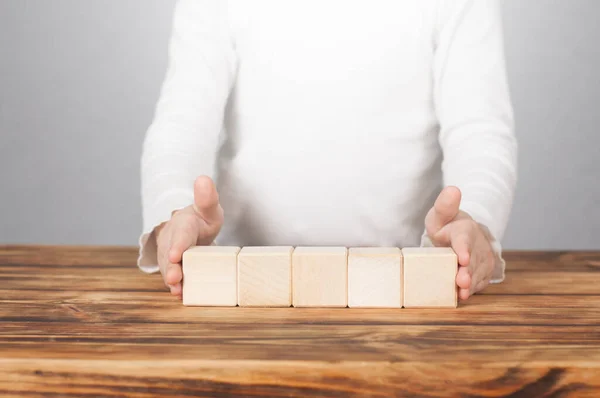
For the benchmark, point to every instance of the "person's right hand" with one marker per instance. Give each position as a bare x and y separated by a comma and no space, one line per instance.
197,224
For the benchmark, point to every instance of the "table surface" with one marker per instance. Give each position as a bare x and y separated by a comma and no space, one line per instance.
84,321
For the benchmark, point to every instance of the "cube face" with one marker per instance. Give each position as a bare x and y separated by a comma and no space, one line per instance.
375,277
210,276
319,277
430,277
265,276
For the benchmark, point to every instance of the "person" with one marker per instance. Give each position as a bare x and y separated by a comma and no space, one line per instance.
348,123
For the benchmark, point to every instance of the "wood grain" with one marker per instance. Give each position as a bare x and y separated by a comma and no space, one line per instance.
429,277
374,277
210,276
265,276
86,322
320,277
292,379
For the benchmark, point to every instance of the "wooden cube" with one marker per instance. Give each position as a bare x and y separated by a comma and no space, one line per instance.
210,276
320,277
430,277
375,277
265,276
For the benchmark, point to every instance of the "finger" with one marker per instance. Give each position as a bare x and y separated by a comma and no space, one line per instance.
464,294
183,238
466,278
174,275
463,278
482,274
162,253
206,201
176,289
445,209
461,238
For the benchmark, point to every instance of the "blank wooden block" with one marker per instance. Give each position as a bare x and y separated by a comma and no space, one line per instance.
320,277
210,276
430,277
265,276
375,277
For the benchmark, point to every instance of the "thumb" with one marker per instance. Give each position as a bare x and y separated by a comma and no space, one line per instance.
206,201
444,210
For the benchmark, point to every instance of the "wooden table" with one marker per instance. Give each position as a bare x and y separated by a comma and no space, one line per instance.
80,321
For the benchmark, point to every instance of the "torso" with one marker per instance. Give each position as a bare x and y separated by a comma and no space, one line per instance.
331,132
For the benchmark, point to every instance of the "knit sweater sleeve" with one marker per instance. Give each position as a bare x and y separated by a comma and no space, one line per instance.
182,140
475,114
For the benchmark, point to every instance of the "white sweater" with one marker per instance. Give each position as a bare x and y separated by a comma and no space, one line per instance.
332,122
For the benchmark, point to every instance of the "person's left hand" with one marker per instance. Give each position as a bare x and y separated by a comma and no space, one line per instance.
447,225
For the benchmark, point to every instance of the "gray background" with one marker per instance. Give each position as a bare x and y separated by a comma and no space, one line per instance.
79,81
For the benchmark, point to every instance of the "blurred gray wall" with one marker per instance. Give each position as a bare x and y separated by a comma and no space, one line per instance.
79,81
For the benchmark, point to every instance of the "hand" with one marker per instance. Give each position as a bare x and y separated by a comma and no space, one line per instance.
448,226
197,224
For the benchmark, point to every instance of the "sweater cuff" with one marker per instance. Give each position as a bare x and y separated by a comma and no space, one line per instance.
155,216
